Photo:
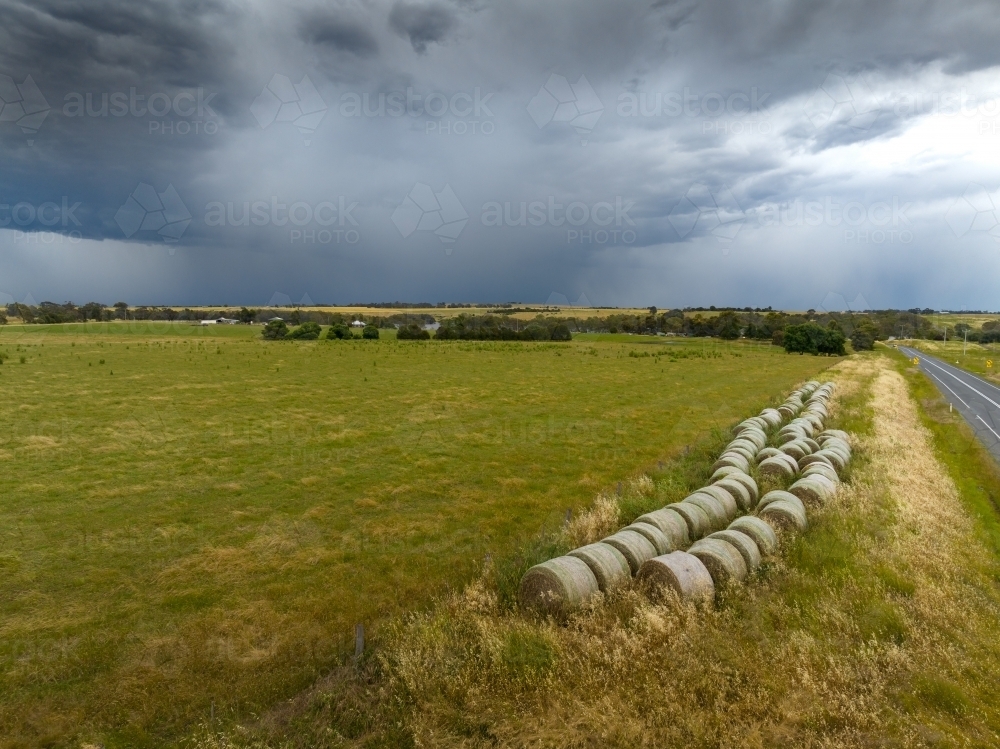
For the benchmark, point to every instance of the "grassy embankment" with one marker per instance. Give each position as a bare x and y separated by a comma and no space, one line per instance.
193,520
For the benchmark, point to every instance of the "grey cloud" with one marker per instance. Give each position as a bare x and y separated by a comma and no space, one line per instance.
501,53
339,33
422,24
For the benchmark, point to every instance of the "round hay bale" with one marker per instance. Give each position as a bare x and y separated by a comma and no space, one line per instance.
747,452
815,422
671,524
810,490
681,572
821,469
814,446
557,586
724,472
785,514
654,535
815,458
610,568
787,412
635,547
762,534
779,496
724,563
698,522
732,459
771,416
835,443
749,483
767,452
744,544
711,507
744,444
837,459
791,436
754,434
776,466
739,492
725,498
834,433
797,449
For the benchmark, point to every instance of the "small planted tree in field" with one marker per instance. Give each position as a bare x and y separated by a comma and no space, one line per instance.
275,330
412,332
338,332
307,331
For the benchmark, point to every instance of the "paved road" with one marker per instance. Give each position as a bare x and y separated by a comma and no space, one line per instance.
973,397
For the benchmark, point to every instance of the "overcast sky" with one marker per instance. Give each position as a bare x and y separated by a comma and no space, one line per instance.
787,153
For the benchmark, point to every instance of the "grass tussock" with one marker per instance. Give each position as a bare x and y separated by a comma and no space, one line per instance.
876,627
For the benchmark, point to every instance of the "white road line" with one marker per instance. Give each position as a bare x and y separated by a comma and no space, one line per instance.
949,389
988,426
977,378
981,395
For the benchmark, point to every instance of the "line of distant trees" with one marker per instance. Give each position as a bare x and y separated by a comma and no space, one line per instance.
764,324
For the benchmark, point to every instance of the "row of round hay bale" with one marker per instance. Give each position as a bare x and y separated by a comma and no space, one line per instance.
681,572
782,466
558,585
671,524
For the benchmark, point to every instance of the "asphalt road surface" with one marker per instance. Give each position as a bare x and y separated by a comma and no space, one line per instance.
973,397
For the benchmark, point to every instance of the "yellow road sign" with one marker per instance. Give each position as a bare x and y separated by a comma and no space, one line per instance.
916,360
989,363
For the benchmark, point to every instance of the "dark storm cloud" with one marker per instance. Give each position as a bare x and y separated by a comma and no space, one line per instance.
337,32
422,24
509,102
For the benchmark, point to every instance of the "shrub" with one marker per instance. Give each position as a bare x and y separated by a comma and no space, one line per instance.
810,338
338,331
412,332
864,335
370,332
275,330
560,332
307,331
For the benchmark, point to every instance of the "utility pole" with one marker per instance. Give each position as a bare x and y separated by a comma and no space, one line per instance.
965,342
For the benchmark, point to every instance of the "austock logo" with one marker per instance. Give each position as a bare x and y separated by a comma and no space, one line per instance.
284,101
147,210
718,212
23,104
561,101
425,210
